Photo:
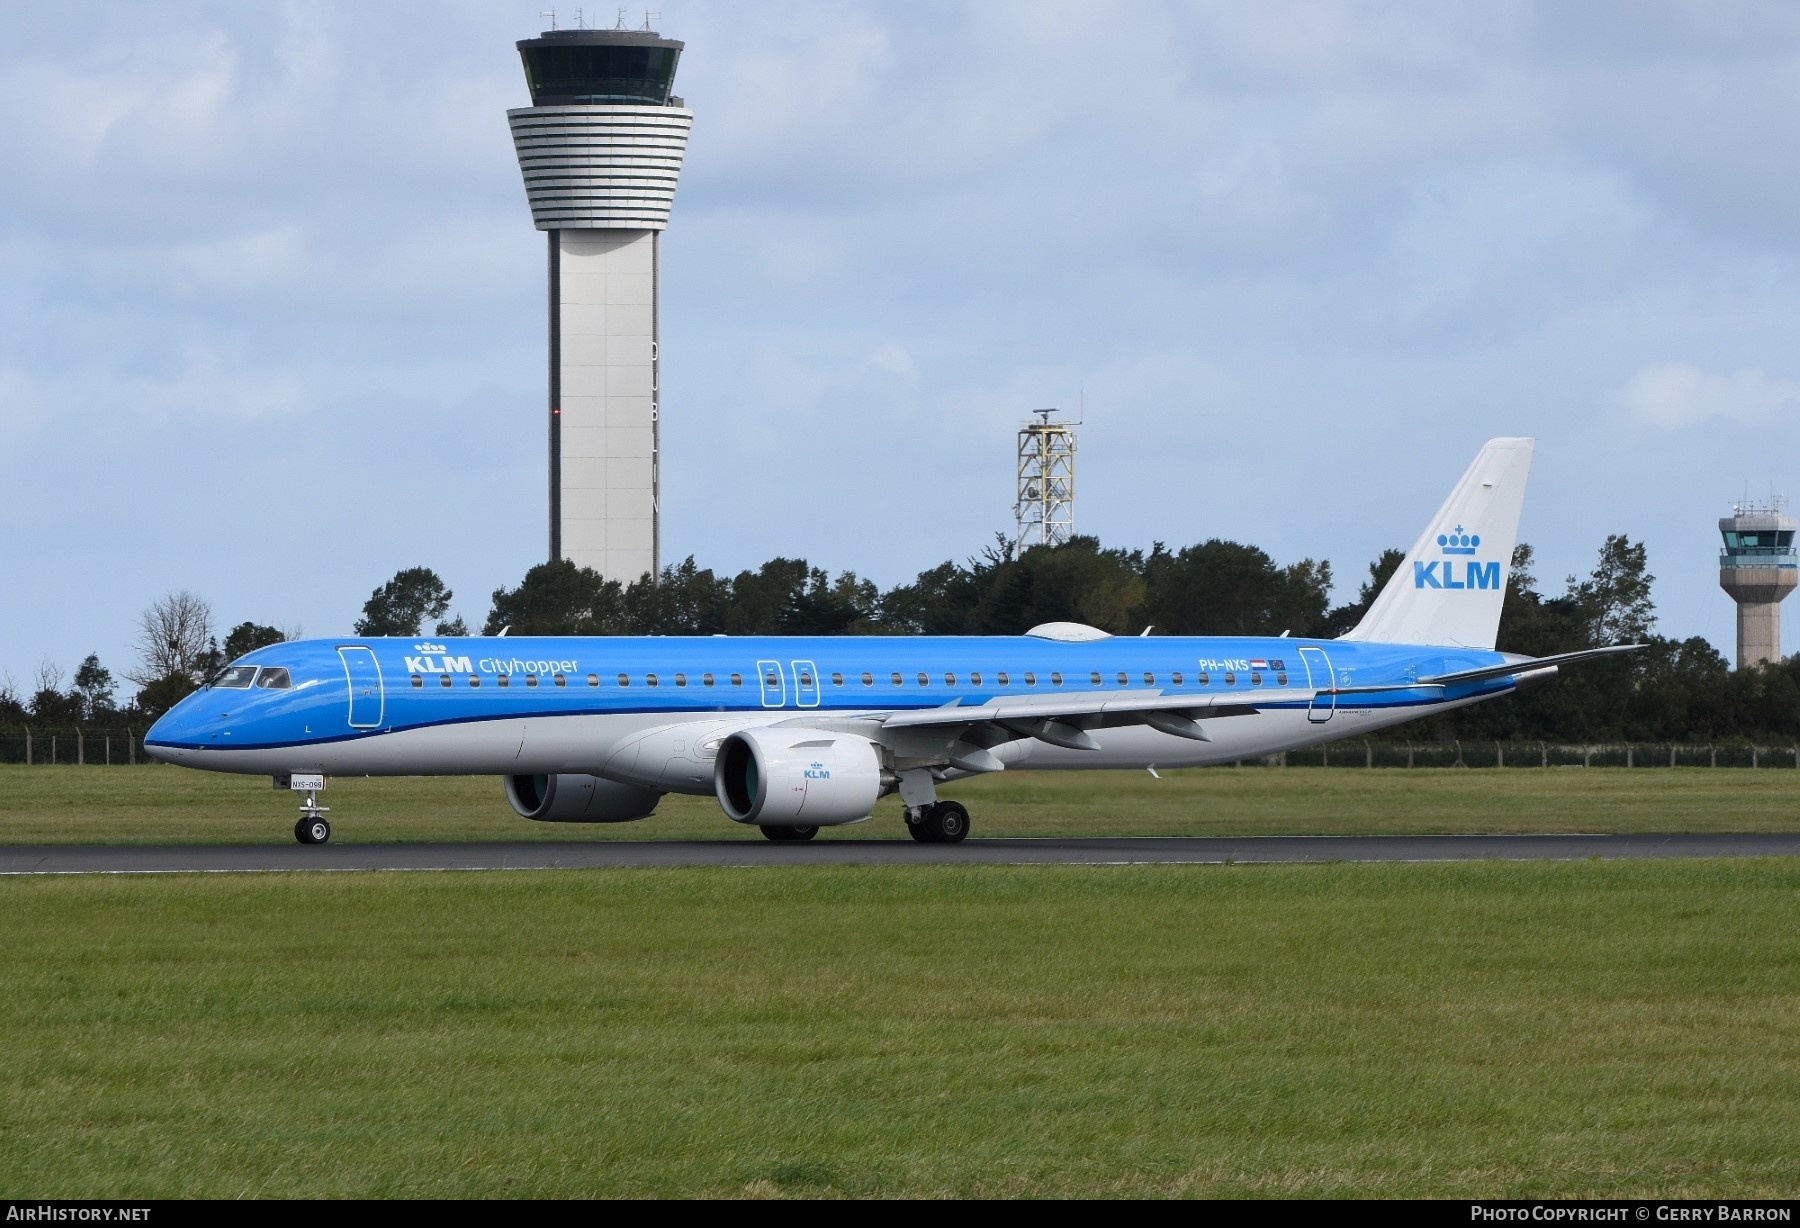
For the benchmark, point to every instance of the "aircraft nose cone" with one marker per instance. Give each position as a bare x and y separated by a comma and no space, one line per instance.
171,738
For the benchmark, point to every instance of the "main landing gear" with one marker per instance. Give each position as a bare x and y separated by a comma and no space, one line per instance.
938,822
789,833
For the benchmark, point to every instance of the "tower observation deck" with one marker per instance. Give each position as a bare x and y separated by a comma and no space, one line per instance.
1759,568
601,147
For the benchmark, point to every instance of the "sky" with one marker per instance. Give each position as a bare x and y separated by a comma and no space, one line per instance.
272,307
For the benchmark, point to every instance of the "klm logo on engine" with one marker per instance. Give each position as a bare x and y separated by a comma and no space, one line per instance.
818,771
1457,571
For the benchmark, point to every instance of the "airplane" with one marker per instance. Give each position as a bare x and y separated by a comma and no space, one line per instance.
792,734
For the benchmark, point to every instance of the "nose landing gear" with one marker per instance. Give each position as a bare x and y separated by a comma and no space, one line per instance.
313,828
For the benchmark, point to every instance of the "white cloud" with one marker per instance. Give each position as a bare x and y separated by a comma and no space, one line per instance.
1674,395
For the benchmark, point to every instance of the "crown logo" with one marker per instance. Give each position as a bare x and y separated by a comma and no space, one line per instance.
1459,542
429,647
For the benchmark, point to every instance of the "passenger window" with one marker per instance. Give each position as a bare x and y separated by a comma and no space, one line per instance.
680,679
1149,679
924,680
1003,679
1094,678
975,678
1055,679
1124,678
418,681
949,679
1230,679
504,681
837,679
562,680
1280,679
706,679
772,680
474,682
1255,679
593,679
868,679
805,678
1030,678
1203,678
531,680
624,679
651,680
1177,677
275,678
898,681
737,680
444,681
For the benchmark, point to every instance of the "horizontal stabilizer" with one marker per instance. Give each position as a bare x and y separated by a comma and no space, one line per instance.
1527,665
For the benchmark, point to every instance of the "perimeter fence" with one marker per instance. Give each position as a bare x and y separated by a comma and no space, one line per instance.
124,746
1368,753
75,745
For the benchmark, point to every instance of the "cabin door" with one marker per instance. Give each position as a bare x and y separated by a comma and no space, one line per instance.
1319,678
368,701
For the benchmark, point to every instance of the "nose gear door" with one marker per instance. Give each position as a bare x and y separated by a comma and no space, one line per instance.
368,699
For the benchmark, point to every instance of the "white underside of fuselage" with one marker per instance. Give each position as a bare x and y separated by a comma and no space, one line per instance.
652,751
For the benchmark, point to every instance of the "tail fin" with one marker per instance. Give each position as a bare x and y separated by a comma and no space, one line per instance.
1450,588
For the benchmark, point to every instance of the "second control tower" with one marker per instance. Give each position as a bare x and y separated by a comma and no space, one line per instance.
601,147
1759,568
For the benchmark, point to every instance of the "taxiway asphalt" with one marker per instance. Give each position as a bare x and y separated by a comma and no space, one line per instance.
1178,850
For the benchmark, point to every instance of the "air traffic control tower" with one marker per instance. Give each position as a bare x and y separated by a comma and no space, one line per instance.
1759,568
601,147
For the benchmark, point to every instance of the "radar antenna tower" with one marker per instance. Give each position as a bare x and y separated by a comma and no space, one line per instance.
1045,510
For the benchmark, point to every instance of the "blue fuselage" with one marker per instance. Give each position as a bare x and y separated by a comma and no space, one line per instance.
543,705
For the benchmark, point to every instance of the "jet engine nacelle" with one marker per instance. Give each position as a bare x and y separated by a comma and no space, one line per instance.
797,777
579,799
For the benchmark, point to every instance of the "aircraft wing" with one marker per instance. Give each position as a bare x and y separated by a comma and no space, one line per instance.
961,734
1095,705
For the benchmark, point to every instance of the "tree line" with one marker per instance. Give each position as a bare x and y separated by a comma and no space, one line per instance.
1672,691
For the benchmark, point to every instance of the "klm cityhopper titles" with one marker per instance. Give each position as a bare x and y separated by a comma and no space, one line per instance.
795,734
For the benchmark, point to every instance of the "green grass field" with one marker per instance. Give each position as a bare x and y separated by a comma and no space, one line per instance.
1596,1029
55,805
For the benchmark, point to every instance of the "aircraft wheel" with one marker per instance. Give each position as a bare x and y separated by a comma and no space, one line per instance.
789,833
312,831
952,822
940,823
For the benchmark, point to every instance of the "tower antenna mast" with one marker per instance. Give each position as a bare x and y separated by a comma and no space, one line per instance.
1044,511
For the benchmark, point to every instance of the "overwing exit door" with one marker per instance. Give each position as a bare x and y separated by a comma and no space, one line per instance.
806,685
774,684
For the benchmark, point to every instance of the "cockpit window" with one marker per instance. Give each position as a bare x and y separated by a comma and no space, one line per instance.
275,678
236,678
